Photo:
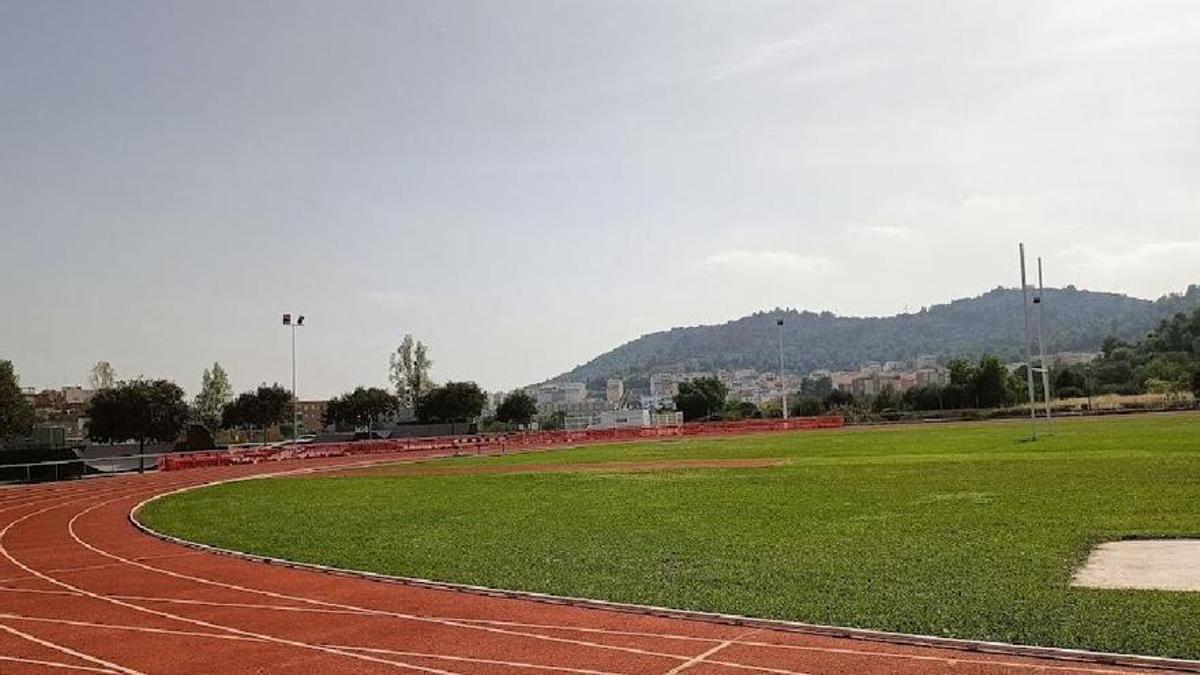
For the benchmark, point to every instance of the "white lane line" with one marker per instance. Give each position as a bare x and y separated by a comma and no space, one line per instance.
490,662
699,658
398,615
100,566
110,666
292,643
55,664
740,641
124,627
240,638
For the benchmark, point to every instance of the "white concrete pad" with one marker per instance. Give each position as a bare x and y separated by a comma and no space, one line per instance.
1148,564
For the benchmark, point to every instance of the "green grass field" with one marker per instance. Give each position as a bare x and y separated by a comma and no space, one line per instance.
964,531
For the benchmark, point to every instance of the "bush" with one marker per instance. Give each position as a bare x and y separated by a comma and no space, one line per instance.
807,406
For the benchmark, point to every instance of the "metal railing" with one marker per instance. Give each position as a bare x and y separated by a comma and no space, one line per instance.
79,467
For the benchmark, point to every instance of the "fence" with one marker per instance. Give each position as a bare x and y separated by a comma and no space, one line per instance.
464,444
481,443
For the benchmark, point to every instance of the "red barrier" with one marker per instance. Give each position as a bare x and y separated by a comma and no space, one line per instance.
481,443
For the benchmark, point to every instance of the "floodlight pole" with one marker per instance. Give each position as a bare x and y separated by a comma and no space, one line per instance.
1042,348
782,384
295,398
294,324
1028,355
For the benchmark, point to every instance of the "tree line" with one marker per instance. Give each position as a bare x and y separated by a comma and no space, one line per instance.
1165,361
155,410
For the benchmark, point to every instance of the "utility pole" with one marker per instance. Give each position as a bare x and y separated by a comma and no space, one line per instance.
287,321
1028,355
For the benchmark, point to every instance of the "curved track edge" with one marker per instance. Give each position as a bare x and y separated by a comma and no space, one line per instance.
864,634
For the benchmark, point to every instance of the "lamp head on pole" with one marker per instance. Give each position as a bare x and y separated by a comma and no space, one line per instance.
779,322
300,320
287,319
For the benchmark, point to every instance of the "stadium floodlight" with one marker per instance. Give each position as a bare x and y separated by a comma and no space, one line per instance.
782,383
287,321
1028,355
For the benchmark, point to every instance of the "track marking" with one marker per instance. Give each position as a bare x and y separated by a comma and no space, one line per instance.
491,662
55,664
97,596
240,638
93,568
124,627
699,658
108,665
739,641
295,598
246,639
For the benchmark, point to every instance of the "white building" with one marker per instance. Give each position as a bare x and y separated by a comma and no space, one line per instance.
612,419
614,391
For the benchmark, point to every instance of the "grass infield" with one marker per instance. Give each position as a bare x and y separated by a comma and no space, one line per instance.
964,531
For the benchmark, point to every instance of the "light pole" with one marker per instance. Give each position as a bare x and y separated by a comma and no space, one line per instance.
287,321
782,383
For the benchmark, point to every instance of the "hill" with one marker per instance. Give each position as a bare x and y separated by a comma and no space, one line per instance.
1076,320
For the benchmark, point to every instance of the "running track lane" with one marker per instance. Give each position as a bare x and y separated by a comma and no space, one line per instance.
82,590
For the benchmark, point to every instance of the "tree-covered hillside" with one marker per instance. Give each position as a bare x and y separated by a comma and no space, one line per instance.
1076,320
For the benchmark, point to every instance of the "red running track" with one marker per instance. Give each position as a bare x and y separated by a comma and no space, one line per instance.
83,590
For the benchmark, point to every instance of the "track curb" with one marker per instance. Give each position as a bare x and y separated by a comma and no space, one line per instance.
863,634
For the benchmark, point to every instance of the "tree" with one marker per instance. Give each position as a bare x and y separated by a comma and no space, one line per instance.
17,416
838,398
215,393
816,387
102,376
140,410
961,372
408,371
701,398
740,410
451,402
806,406
887,399
990,383
1196,384
258,409
518,407
363,406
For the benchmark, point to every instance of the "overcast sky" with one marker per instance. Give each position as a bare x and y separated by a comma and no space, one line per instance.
524,185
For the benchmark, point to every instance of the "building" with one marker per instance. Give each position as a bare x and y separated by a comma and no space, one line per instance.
312,415
614,391
614,419
664,384
558,396
608,419
656,402
77,396
666,419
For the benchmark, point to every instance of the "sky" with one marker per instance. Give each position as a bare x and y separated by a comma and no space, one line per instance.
525,185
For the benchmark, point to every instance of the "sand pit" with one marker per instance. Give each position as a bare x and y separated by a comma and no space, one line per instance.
1150,564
